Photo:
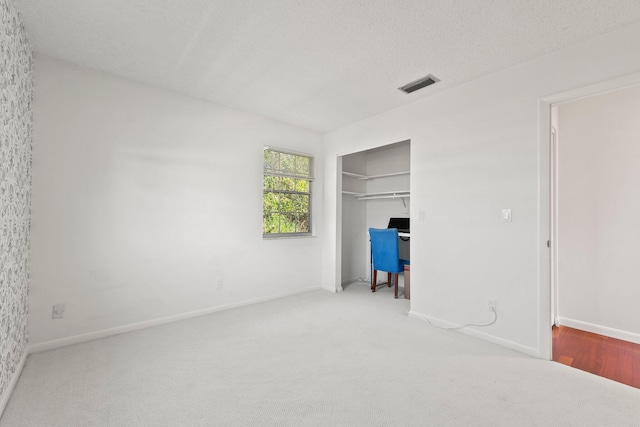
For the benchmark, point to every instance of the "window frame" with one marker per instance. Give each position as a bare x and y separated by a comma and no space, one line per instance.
295,176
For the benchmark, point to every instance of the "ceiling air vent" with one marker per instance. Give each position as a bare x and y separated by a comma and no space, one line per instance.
419,84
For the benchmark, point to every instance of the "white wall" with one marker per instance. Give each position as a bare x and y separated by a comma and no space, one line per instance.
354,215
143,199
599,210
388,159
474,151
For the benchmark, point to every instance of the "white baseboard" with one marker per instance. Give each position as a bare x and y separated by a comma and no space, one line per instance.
601,330
76,339
479,334
12,384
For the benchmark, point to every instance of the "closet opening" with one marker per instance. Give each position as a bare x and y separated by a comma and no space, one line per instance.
376,193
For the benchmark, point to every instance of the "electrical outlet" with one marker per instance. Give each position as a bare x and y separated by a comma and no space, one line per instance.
491,304
220,283
58,311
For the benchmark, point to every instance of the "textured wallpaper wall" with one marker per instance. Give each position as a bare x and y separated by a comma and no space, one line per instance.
16,89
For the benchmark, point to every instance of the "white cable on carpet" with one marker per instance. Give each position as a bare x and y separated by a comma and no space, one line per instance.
495,318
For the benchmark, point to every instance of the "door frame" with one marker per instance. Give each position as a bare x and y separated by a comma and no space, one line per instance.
553,221
545,193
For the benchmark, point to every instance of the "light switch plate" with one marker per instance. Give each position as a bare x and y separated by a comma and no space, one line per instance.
506,215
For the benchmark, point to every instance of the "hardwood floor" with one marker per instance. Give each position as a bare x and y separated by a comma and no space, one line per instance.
604,356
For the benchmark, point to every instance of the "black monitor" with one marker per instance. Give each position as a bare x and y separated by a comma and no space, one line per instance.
402,224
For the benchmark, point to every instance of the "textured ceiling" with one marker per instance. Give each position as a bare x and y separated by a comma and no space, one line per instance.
319,64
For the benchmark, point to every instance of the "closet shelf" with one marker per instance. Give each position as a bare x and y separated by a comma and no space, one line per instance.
367,177
380,195
354,175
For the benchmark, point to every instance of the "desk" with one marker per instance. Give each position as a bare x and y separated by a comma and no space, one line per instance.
403,246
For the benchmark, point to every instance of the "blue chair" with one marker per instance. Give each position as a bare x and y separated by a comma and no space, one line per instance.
385,257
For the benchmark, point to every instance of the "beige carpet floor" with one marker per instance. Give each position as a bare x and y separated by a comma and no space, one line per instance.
316,359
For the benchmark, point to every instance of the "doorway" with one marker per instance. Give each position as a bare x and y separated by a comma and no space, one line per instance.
593,225
544,191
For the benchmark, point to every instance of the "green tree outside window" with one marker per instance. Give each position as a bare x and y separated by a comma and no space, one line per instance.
286,193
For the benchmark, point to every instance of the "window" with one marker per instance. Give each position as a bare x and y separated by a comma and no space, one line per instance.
286,195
